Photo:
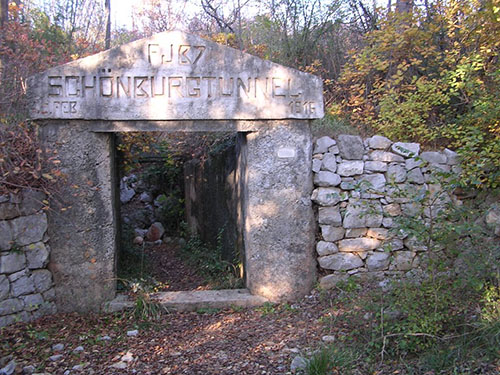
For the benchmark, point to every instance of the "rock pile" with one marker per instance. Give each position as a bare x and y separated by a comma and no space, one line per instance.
26,288
358,195
141,209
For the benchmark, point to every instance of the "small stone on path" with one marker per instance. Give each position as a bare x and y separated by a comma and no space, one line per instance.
128,357
119,365
55,357
58,347
9,368
133,333
298,363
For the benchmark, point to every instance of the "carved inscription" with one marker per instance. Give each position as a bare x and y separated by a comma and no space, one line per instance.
182,54
178,86
177,77
302,107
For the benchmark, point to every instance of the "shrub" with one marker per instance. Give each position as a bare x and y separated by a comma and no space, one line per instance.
428,78
23,161
210,263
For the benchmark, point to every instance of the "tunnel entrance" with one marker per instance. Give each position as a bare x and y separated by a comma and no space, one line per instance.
176,82
180,211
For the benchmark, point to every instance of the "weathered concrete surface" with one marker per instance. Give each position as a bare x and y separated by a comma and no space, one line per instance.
173,75
176,126
279,222
81,223
194,300
215,299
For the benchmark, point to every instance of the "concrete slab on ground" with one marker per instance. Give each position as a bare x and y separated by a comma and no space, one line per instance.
194,300
212,299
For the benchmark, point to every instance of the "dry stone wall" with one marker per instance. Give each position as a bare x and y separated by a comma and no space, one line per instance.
358,187
26,287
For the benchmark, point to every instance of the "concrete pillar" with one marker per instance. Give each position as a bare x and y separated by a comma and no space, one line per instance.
278,216
81,219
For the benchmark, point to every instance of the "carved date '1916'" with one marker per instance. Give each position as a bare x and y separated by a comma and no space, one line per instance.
305,107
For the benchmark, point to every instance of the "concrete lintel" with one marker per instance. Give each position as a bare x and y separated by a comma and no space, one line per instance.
174,76
175,126
172,126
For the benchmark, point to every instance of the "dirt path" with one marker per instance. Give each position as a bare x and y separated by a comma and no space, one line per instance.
168,267
262,341
228,342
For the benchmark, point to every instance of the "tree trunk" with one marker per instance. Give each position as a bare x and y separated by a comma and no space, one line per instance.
4,12
107,6
4,17
404,6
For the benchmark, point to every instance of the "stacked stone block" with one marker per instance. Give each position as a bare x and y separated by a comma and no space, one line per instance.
355,184
26,287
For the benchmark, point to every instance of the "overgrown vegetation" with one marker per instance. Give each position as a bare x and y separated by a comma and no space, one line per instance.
424,72
221,273
433,327
133,265
432,77
167,176
23,161
443,319
26,47
329,359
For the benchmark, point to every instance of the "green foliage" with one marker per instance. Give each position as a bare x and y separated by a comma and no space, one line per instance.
35,334
267,308
16,249
425,313
491,304
167,175
210,263
147,309
446,317
428,78
237,308
207,310
288,308
44,31
329,359
347,289
436,225
332,125
296,33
